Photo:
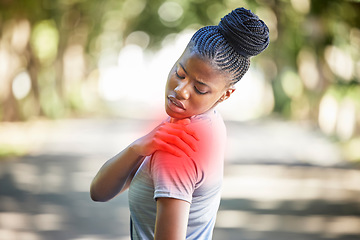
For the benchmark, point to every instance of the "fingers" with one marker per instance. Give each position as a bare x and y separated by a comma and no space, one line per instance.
178,136
183,132
182,127
163,146
176,141
174,137
181,121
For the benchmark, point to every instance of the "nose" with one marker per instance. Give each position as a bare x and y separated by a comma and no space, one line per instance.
181,91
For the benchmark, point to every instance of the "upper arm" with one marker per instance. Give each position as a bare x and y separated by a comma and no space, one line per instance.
171,218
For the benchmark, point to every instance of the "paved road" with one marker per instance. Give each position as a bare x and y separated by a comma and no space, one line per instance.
281,181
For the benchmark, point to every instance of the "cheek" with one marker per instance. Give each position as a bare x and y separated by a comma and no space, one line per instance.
172,82
169,84
203,102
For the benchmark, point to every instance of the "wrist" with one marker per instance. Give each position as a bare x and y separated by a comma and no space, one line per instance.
135,148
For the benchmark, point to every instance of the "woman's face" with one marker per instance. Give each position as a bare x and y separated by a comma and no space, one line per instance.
194,86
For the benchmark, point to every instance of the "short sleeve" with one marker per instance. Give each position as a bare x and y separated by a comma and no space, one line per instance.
173,177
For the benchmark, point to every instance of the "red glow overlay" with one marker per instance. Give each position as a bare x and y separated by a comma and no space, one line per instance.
202,155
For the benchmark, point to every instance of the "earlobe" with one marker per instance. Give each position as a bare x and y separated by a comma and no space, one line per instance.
226,94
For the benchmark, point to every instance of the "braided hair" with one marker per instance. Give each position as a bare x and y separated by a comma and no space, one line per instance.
229,45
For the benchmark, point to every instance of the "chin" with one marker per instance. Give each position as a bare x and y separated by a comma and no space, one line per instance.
175,115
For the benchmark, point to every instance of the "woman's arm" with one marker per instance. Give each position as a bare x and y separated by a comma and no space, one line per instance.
171,219
116,174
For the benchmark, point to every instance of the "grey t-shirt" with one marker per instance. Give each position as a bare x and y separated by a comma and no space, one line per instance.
196,179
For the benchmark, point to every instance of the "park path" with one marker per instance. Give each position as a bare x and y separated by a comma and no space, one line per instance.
282,181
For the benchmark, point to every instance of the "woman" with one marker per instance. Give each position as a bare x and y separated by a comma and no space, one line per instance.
174,173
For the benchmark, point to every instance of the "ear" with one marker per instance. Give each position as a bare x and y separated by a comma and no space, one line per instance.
226,94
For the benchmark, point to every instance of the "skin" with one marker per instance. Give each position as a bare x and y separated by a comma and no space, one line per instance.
195,83
193,87
199,87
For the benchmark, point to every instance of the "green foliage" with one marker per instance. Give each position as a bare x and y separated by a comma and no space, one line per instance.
44,41
325,32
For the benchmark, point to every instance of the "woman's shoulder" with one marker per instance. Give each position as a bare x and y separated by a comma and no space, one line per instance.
210,119
208,126
209,116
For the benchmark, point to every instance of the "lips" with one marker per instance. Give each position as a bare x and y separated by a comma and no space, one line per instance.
176,102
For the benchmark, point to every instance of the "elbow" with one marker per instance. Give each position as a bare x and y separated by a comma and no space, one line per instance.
102,192
97,198
95,195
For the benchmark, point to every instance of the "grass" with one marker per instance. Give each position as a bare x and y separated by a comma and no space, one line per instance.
8,150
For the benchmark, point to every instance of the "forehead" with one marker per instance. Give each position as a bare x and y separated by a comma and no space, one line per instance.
202,70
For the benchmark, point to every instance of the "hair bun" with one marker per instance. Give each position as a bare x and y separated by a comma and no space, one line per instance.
245,32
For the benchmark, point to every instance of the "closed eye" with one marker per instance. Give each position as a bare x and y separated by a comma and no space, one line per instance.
198,91
178,76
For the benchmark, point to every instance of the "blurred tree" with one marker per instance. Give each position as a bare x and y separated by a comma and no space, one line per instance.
57,45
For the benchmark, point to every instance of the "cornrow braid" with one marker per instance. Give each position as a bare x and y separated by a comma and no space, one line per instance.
229,46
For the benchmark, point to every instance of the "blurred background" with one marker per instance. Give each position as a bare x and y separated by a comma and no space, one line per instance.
79,80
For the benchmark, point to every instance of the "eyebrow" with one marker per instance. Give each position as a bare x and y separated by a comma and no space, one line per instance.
199,82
